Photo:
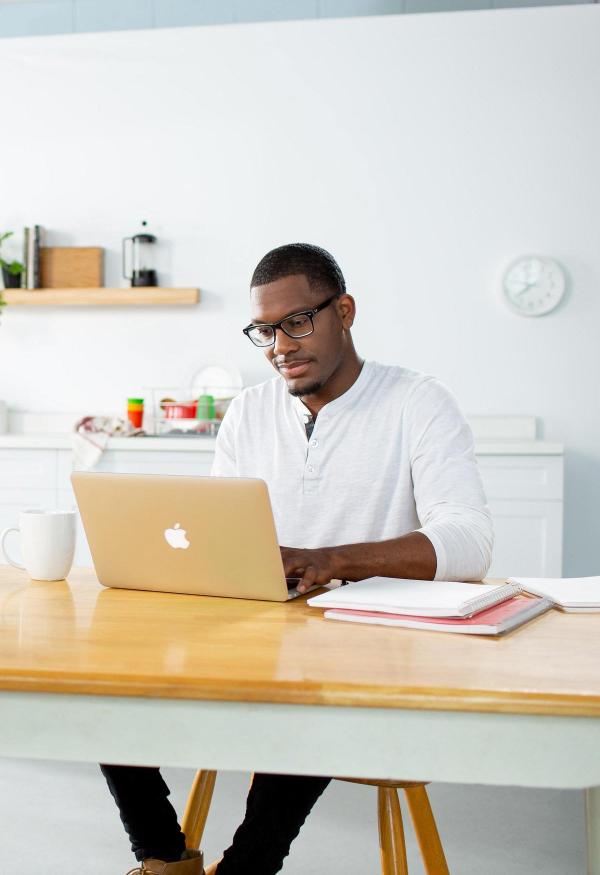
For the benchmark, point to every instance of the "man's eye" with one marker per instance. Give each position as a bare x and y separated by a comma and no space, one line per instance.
297,322
263,332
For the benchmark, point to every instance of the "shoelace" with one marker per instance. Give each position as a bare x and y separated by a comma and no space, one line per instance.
140,870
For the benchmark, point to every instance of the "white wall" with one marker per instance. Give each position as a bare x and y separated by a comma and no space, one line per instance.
425,152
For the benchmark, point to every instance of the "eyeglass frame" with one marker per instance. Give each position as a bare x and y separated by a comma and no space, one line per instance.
275,325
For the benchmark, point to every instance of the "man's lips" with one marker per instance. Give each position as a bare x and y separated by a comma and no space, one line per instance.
294,368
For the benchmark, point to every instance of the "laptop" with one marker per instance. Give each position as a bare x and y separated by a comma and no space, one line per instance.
197,535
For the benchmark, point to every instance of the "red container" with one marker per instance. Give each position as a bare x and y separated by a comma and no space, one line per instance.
135,417
135,411
179,409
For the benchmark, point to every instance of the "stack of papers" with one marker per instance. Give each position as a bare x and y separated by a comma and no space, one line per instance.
493,621
421,598
442,606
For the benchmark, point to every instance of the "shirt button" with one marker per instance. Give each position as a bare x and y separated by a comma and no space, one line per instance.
310,469
314,443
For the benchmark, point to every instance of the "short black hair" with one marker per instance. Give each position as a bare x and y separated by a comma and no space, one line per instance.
318,266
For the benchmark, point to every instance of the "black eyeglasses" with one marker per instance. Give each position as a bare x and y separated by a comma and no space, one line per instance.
297,325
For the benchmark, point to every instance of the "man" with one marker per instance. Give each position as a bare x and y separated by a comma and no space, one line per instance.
371,471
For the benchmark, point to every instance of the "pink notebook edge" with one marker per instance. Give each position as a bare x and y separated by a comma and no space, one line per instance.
517,608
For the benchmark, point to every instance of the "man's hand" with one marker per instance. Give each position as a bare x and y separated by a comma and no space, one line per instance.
312,566
411,556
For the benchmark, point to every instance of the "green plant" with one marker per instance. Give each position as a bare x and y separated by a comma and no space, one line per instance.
13,267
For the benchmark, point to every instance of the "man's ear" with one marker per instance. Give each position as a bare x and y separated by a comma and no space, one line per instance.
347,310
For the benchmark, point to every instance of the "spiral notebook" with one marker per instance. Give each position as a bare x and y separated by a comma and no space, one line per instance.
420,598
497,620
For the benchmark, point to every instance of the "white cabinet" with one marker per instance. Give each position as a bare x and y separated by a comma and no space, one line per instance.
142,462
524,489
528,539
27,470
525,495
27,482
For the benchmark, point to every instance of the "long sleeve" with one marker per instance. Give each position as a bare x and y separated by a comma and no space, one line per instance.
224,462
449,495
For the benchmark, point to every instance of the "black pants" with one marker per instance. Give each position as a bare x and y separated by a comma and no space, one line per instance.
276,808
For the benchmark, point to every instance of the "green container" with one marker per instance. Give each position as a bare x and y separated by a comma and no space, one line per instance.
205,408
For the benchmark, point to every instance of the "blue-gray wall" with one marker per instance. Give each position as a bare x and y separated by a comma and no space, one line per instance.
38,17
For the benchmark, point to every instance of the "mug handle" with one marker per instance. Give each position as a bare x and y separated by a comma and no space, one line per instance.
6,556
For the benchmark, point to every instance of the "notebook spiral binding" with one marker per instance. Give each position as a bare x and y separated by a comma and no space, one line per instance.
492,598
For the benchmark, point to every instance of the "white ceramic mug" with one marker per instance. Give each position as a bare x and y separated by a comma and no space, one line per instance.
47,543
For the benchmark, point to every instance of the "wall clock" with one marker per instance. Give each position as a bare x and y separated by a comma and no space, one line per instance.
534,285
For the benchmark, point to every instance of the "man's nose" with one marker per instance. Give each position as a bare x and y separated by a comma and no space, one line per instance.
283,344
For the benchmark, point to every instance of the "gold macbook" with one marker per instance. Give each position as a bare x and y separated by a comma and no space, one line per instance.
198,535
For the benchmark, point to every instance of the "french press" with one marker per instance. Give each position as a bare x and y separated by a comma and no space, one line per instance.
141,261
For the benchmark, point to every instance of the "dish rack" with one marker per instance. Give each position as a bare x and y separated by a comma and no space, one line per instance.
174,410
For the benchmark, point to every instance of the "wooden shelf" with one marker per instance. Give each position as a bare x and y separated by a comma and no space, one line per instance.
104,297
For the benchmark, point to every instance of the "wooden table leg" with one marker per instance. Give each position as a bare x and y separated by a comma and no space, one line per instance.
426,830
592,823
391,833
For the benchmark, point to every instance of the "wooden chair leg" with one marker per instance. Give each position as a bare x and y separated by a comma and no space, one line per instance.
426,831
197,807
391,833
202,791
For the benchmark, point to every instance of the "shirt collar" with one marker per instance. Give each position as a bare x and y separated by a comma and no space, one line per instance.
338,403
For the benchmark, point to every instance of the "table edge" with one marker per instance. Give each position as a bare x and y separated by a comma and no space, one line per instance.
550,704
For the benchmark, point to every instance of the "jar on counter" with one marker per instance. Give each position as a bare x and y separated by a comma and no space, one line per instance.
135,411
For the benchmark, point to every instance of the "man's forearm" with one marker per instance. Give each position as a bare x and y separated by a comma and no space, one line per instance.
411,556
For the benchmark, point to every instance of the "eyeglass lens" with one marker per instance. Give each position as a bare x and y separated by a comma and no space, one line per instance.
295,326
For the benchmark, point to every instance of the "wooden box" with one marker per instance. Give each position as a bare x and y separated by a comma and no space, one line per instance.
71,267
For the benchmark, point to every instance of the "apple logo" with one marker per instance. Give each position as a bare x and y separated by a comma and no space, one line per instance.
176,538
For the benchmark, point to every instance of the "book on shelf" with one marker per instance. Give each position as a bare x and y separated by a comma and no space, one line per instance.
496,620
31,257
24,274
421,598
571,594
30,245
35,256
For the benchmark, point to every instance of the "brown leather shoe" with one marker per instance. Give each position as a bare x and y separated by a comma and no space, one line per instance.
191,864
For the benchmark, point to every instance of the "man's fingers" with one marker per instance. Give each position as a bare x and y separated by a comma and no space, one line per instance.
292,569
309,578
292,564
311,566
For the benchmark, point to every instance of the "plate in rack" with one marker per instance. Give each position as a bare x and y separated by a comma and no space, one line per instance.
220,381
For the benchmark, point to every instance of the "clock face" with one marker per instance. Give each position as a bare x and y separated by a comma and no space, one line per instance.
534,285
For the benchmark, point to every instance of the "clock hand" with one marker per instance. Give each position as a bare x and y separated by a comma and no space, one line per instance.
522,292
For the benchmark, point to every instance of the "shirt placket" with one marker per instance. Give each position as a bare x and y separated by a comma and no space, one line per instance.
312,465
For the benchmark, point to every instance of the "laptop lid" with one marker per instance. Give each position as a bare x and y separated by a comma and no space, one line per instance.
197,535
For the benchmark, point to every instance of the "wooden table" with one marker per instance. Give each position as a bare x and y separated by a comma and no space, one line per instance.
130,677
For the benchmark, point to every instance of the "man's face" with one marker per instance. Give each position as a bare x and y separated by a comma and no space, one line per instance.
305,363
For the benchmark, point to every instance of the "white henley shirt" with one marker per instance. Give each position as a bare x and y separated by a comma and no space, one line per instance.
391,455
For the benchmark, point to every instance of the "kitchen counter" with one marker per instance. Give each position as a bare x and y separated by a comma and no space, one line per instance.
63,442
207,444
518,448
